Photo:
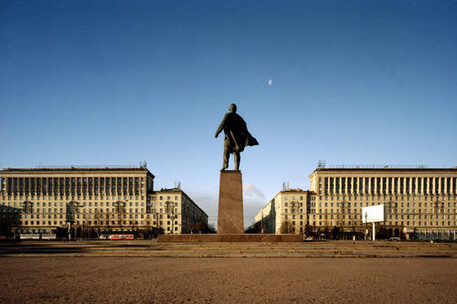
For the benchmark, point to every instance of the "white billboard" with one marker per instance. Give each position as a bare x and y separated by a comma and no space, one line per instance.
373,214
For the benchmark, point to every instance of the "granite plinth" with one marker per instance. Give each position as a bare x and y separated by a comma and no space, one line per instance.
172,238
230,211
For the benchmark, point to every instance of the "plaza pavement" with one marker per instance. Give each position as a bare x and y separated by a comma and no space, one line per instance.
61,279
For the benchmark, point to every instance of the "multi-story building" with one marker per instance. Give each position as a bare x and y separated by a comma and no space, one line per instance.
288,207
173,210
419,201
108,199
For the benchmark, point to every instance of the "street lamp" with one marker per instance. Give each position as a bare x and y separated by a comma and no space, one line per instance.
171,204
72,208
295,210
27,207
120,210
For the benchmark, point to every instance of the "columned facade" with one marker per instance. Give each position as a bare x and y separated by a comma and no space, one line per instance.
418,201
100,199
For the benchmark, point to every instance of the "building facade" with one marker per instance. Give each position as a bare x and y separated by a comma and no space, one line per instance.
420,201
105,199
288,207
174,211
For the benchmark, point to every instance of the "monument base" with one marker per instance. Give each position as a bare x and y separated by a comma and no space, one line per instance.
172,238
230,211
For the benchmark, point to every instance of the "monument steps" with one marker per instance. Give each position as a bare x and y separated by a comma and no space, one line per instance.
151,249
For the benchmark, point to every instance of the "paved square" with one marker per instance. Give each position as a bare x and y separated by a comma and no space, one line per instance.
220,280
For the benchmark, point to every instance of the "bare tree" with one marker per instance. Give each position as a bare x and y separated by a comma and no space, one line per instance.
308,230
286,228
9,220
120,212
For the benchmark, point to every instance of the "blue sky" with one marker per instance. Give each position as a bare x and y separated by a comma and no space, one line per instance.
118,82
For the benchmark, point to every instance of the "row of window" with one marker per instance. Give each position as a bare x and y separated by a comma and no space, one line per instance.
390,223
72,197
393,211
355,216
385,197
104,223
389,204
388,185
71,185
81,205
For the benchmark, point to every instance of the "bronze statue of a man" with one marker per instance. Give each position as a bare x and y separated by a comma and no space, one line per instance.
237,136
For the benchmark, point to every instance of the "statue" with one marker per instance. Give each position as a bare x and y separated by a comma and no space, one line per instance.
237,137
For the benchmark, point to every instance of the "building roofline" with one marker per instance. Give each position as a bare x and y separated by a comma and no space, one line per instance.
181,191
74,170
296,190
293,190
386,169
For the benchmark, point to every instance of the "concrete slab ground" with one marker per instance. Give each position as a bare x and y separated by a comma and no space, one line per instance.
236,280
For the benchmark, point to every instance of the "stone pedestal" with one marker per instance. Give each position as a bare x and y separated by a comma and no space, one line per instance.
230,211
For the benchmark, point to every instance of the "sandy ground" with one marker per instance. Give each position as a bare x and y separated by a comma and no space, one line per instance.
254,280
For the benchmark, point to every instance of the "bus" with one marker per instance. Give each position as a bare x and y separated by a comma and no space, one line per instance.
121,237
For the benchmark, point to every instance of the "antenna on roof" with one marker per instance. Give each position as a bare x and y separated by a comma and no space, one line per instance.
321,164
143,164
177,185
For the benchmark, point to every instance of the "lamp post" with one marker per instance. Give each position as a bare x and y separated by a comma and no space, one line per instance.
72,209
295,210
168,205
120,210
261,223
27,207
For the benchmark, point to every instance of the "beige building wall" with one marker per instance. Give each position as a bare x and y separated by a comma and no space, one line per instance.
174,211
287,206
415,199
106,199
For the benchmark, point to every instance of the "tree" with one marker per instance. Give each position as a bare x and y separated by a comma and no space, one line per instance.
335,233
286,228
198,227
8,221
98,222
382,233
201,227
318,233
254,228
92,233
308,230
414,234
211,229
327,232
